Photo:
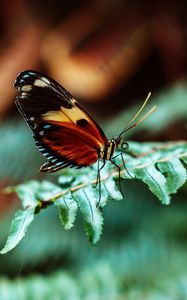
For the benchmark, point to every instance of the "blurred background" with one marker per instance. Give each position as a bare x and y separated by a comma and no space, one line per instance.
109,55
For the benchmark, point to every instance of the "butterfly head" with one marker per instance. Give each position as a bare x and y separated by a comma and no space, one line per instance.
120,142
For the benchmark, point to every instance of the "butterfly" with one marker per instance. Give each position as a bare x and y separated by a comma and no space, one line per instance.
62,130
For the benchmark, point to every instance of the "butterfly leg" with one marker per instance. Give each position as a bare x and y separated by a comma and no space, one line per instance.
98,180
125,146
124,161
125,165
119,172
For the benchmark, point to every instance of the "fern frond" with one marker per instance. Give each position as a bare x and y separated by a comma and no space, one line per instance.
160,165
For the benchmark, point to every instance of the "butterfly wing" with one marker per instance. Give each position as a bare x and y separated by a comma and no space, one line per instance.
65,145
63,132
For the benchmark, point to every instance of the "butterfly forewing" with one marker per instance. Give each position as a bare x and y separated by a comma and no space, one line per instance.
64,133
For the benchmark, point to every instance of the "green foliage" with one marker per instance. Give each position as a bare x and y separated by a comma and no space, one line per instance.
18,228
67,208
160,166
141,253
92,217
171,107
17,151
131,268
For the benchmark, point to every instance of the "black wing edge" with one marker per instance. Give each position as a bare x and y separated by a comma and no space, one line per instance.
50,167
28,77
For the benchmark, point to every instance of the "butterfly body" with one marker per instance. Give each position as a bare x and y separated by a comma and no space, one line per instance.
63,132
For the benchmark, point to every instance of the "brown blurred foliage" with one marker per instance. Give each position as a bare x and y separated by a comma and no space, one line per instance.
92,47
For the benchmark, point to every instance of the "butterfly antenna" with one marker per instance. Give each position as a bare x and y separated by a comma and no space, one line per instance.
142,107
137,114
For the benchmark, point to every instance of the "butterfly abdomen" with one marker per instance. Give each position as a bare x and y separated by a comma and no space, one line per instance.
107,152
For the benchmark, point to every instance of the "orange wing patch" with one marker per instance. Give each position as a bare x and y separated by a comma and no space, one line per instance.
77,116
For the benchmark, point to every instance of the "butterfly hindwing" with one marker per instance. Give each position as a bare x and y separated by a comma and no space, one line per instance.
64,133
66,145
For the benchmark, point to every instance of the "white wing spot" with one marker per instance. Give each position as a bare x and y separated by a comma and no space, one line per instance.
46,80
24,94
26,88
45,154
26,75
59,163
40,83
49,157
54,160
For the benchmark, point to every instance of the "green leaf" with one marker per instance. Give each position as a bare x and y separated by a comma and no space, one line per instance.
109,191
175,174
26,193
67,208
156,182
46,190
112,190
184,158
87,200
20,223
65,180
